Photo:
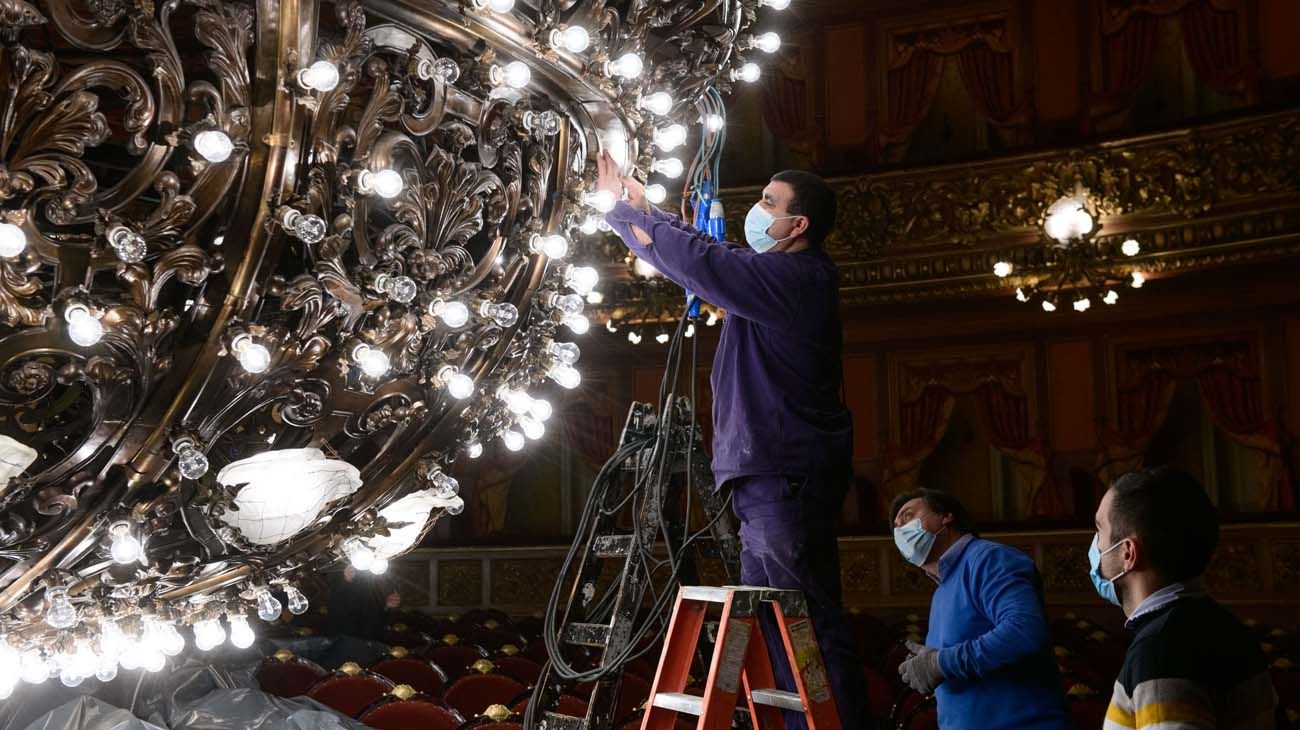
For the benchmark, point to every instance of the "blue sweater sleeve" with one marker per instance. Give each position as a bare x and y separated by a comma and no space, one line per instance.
1008,595
760,288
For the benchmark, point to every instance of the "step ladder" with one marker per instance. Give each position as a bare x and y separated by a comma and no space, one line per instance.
740,663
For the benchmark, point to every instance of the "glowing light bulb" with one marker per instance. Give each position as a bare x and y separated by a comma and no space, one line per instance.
504,314
70,679
714,122
107,670
749,73
602,200
775,4
305,227
33,668
670,138
191,462
379,567
634,338
443,484
581,279
532,428
516,74
360,556
542,410
662,338
208,635
320,76
496,6
1131,247
241,634
373,361
553,246
459,385
84,328
474,449
767,42
213,145
1048,306
567,303
453,314
1002,269
566,353
512,439
13,240
670,167
253,356
1021,295
627,66
574,39
268,606
127,244
690,331
589,225
1138,280
297,601
578,324
384,183
172,642
1082,304
455,506
1111,297
125,547
60,613
644,269
517,401
1081,222
660,102
566,375
656,193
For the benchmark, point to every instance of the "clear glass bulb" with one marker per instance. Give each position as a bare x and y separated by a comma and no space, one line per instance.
208,634
13,240
554,246
384,183
33,667
360,556
125,547
172,641
1138,280
547,122
628,66
70,679
516,74
320,76
501,6
155,661
564,352
589,225
453,314
670,138
566,375
241,634
401,289
372,360
127,244
305,227
504,314
253,356
107,670
581,279
1002,269
1111,297
670,167
444,68
379,566
1082,304
60,612
213,145
532,428
656,193
767,42
455,506
542,410
775,4
1131,247
660,102
749,73
268,606
512,439
459,385
474,449
578,324
84,328
517,401
443,484
574,39
297,602
192,462
602,200
714,122
567,303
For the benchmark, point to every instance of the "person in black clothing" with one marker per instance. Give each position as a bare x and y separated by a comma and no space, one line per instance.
357,604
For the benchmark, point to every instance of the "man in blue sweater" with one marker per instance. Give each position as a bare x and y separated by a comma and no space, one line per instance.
782,435
988,655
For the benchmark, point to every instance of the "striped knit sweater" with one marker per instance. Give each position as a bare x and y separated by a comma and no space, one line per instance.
1193,666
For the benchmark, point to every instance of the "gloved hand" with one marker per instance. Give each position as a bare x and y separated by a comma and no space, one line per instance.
921,671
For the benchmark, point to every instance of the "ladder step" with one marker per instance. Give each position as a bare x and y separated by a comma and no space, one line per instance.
556,721
705,593
612,546
680,702
587,634
777,698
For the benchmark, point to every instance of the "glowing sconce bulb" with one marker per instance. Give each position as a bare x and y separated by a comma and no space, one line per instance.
634,338
574,39
512,439
384,183
505,315
541,410
189,459
241,634
209,634
775,4
749,73
714,122
305,227
566,303
13,240
268,606
627,66
1049,306
213,145
578,324
1111,297
453,314
662,338
380,566
373,361
297,601
517,401
320,76
554,246
656,193
602,200
84,328
516,74
360,556
60,613
127,244
767,42
670,138
459,385
1002,269
253,356
474,449
1082,304
565,353
670,167
566,375
1138,280
532,428
581,279
125,547
1131,247
660,102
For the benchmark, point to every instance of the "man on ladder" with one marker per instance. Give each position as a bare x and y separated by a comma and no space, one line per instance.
782,434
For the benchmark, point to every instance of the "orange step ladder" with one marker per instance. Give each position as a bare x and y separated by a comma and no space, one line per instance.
740,663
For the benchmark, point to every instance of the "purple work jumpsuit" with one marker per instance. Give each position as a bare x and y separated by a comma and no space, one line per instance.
782,435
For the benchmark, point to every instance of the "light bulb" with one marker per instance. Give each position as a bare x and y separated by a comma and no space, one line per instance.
1131,247
567,303
213,145
602,200
1111,297
661,338
459,385
496,6
253,356
712,319
516,74
690,331
775,4
125,548
564,352
320,76
644,269
401,289
69,679
241,634
767,42
305,227
1081,222
574,39
1138,280
107,670
532,428
60,613
208,634
589,225
360,556
1021,295
504,314
474,449
1057,227
714,122
517,401
670,167
566,375
455,506
542,410
1082,304
547,122
33,667
512,439
268,606
372,360
554,246
1002,269
443,484
443,68
191,462
581,279
453,314
578,324
84,328
634,337
656,193
670,138
749,73
1048,306
660,102
379,567
13,240
384,183
171,643
628,66
595,297
127,244
297,601
154,661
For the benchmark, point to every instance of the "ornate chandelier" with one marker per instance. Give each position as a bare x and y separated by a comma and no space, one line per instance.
1074,265
268,269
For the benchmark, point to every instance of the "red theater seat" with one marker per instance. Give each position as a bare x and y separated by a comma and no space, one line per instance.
495,640
422,674
567,705
453,657
286,675
351,689
519,668
416,713
472,694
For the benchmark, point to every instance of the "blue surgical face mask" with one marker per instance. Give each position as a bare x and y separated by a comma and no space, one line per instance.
757,221
914,542
1105,586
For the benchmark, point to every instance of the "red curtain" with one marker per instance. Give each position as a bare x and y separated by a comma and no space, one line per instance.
1141,410
989,76
1213,45
911,88
1006,415
922,423
1128,51
787,105
1236,405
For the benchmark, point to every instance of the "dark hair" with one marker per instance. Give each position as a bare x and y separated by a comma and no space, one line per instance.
939,502
1169,511
812,198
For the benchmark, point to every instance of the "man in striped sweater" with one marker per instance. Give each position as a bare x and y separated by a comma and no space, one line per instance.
1191,664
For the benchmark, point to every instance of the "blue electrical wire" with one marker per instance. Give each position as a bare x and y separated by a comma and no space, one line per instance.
708,212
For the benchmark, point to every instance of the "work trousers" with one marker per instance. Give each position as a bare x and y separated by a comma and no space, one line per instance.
787,534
